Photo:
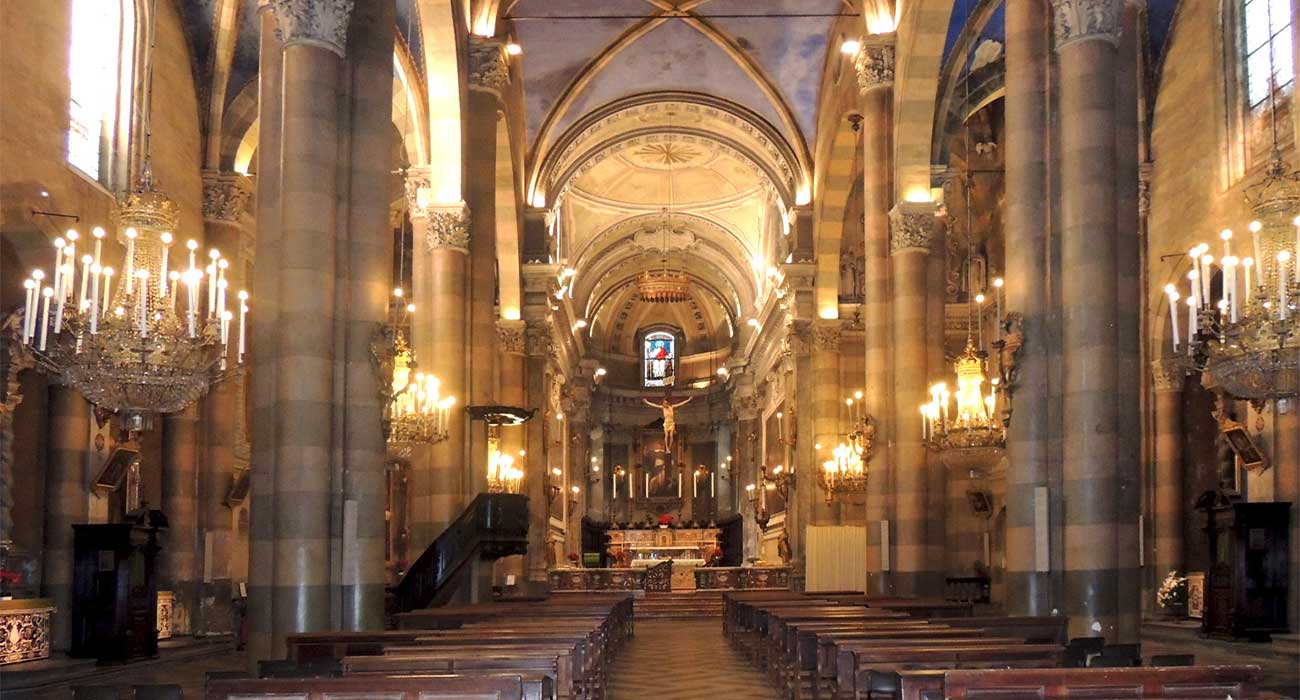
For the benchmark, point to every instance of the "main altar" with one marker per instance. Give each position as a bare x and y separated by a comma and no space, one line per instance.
688,548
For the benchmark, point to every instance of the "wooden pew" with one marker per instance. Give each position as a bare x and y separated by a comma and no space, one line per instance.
854,664
1047,629
537,673
1149,683
482,687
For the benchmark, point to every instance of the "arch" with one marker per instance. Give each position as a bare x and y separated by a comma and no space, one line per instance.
442,41
922,29
509,290
835,186
733,125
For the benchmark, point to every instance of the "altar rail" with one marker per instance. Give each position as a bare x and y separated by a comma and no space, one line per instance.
734,578
597,579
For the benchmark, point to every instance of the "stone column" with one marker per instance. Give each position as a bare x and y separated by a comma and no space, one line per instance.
488,73
446,246
179,566
724,494
1170,376
1286,457
1086,34
366,246
537,351
745,406
875,70
1029,586
314,35
225,218
512,391
263,352
66,494
826,404
596,471
910,241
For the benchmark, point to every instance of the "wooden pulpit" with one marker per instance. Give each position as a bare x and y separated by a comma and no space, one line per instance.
115,589
1246,583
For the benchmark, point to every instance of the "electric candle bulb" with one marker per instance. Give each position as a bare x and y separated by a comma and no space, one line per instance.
397,292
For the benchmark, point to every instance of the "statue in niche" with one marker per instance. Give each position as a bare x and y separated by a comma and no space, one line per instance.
670,423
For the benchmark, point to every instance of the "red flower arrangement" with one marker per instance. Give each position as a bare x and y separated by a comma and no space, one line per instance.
665,519
573,557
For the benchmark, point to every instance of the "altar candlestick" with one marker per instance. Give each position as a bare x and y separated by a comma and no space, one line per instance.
647,484
679,484
713,484
695,486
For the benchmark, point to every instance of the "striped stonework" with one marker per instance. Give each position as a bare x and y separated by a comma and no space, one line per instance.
1169,377
911,235
1092,481
179,565
827,404
66,484
480,360
1029,589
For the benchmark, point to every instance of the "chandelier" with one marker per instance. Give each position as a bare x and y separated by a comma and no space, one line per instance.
415,411
846,471
663,286
503,475
152,342
1247,341
970,429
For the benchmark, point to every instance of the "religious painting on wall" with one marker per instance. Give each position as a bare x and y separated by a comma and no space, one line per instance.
661,479
660,358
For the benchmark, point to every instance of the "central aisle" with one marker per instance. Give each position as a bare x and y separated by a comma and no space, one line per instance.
684,660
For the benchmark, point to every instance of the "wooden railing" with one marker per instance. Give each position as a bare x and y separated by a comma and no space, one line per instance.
494,525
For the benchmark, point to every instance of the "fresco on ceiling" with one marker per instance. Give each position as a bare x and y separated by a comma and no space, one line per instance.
672,56
555,51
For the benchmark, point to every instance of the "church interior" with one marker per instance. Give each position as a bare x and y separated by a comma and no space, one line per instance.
578,350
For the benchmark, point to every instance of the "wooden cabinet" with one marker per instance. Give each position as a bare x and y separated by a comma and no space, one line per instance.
115,590
1246,584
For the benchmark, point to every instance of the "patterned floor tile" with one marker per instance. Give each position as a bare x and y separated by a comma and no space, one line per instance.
684,660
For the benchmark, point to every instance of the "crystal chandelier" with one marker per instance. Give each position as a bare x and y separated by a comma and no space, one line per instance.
971,428
1247,340
846,471
415,411
154,341
503,475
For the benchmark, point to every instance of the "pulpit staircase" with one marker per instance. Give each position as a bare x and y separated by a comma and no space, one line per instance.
494,525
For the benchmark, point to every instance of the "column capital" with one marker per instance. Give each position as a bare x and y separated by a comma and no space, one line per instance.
1080,20
319,23
226,196
418,184
510,336
826,335
1170,373
746,405
537,338
911,227
448,226
489,66
874,64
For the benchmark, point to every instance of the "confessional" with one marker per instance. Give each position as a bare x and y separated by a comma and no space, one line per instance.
1246,582
115,588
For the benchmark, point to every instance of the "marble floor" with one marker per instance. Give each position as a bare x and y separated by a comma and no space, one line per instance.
684,660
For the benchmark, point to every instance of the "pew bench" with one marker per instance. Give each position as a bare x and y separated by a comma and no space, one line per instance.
446,687
853,665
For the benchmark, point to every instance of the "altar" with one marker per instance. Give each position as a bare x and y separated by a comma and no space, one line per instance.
688,548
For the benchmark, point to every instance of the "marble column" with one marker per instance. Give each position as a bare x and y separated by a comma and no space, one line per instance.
537,350
745,407
723,493
422,498
447,247
512,391
178,568
1170,502
366,249
262,349
912,231
1286,457
66,493
596,471
1086,35
1029,584
827,403
488,74
1128,310
225,223
875,72
314,37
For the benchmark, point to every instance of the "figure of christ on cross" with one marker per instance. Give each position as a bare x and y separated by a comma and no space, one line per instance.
670,425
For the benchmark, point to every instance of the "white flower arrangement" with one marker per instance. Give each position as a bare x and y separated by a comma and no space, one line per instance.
1173,591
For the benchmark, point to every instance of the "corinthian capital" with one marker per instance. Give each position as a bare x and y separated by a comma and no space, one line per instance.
510,336
826,335
225,196
911,226
448,226
875,67
320,23
489,68
1169,373
537,338
418,185
1079,20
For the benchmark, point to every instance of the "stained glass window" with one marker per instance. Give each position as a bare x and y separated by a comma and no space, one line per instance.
660,358
1268,48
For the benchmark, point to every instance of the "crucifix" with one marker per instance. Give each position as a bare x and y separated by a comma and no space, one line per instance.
670,425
